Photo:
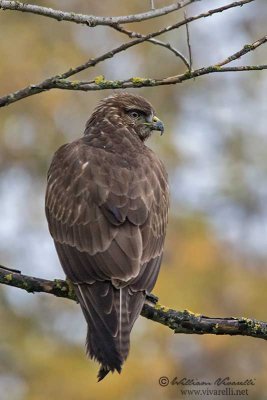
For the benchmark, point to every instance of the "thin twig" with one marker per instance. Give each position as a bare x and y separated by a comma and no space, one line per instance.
59,81
91,20
179,321
246,49
188,45
125,46
152,6
10,269
168,46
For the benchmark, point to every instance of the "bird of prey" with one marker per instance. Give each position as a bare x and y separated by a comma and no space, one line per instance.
107,203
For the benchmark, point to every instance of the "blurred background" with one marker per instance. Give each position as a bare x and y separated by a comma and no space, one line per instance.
215,150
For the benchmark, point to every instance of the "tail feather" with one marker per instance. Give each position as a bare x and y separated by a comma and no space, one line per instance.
100,341
102,373
110,314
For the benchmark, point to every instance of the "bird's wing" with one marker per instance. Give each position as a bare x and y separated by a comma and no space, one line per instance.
86,208
105,210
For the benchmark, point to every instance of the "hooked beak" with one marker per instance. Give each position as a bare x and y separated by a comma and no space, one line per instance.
157,125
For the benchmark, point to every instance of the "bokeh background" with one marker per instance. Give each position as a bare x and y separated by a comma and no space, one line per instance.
215,150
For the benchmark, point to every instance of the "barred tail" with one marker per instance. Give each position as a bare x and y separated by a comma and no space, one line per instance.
110,314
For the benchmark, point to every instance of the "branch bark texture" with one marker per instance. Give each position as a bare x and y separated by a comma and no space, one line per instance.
60,81
100,83
179,321
91,20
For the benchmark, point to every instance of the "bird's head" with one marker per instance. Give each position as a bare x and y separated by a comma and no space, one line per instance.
128,110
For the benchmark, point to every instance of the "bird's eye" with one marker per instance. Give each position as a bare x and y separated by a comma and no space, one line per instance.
134,114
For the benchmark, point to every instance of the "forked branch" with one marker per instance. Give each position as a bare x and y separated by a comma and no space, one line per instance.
100,83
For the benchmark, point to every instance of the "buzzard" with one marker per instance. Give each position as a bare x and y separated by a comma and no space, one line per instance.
107,204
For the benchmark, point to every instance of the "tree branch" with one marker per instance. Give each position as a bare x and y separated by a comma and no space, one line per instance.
246,49
189,46
168,46
91,20
179,321
99,83
114,22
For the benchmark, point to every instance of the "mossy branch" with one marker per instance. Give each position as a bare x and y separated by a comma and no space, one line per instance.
179,321
60,81
133,83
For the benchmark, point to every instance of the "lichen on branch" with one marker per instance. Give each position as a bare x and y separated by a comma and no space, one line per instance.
179,321
60,81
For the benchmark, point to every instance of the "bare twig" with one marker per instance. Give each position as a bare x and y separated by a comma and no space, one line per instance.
115,21
152,6
199,16
91,20
52,82
246,49
60,82
188,45
179,321
168,46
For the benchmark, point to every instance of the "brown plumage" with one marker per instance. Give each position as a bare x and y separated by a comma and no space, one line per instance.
106,204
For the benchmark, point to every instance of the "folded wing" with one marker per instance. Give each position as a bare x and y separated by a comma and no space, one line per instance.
108,221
